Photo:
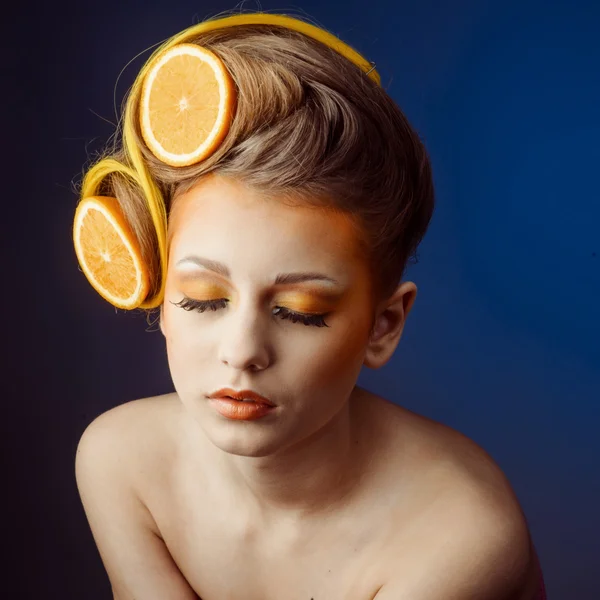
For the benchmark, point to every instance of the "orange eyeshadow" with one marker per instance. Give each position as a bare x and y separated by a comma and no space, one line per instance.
309,303
203,289
317,300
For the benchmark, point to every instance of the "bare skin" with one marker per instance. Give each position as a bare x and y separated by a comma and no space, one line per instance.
386,528
337,493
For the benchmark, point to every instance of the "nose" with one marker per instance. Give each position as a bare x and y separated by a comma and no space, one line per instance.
244,344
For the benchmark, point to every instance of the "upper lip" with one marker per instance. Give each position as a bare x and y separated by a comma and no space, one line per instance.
240,395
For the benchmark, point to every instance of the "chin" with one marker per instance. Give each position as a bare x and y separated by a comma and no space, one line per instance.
251,444
240,438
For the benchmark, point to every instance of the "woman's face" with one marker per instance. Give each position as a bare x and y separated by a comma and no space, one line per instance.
308,371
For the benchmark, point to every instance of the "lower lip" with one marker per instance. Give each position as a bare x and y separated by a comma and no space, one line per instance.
240,411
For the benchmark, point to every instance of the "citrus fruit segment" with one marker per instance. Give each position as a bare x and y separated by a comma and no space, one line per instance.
108,252
186,104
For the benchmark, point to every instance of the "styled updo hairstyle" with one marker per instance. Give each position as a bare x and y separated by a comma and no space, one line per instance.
309,127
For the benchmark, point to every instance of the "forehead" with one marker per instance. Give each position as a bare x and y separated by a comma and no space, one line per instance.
223,215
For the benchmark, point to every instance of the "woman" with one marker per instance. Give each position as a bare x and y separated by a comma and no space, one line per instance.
268,473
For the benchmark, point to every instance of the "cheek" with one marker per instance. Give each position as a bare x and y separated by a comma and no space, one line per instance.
183,343
343,354
189,362
338,357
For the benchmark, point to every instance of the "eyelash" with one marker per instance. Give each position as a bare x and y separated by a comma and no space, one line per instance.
283,313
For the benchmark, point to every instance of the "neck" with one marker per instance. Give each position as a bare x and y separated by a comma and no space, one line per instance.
312,478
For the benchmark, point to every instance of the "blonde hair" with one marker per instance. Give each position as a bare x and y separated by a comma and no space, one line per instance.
310,127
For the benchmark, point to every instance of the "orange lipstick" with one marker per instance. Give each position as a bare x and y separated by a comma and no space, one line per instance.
244,405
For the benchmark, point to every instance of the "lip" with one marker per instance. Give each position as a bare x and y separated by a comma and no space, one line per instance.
241,395
240,411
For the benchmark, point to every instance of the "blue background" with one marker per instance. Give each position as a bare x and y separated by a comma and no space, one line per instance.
502,343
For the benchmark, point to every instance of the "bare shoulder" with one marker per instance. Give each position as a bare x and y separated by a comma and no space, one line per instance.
441,456
137,414
114,453
131,422
135,438
463,502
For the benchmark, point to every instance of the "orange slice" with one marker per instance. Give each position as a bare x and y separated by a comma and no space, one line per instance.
186,104
108,252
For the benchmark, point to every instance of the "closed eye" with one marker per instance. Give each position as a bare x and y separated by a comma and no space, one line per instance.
282,312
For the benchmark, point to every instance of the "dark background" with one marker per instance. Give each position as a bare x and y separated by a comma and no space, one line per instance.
503,342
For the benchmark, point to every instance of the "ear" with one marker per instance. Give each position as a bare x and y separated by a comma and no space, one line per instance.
389,323
162,328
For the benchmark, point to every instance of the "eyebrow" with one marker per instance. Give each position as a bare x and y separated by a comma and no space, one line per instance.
281,279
